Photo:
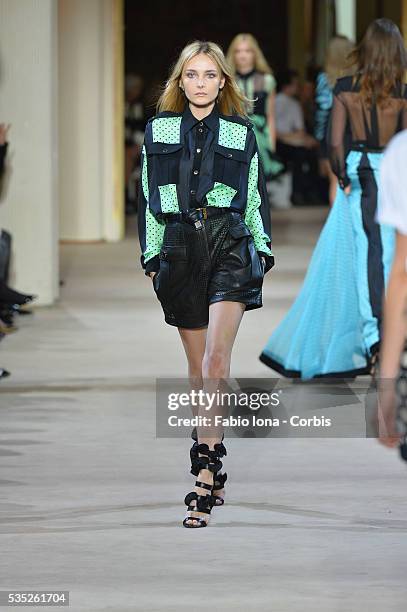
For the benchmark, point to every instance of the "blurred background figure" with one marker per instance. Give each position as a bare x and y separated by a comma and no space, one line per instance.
392,210
295,146
336,65
135,122
3,145
306,98
255,78
10,300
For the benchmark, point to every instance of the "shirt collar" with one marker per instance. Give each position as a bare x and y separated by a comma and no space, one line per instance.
189,121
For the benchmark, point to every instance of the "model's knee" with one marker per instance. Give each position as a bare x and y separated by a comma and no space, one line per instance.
215,364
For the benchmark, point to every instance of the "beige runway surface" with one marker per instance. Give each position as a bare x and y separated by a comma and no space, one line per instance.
92,502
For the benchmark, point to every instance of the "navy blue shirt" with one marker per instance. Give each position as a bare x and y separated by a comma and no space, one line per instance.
205,157
199,135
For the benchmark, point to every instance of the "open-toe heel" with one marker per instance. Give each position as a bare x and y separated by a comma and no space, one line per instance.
203,503
196,502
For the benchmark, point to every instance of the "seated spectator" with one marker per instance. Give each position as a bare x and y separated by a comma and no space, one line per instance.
135,123
294,146
11,301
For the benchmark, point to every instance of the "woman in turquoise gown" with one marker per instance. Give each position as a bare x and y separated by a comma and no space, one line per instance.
334,326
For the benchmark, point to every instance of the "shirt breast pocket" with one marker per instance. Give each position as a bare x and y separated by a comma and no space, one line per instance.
166,160
230,166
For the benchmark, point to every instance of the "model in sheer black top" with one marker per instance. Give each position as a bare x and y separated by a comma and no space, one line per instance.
334,326
372,124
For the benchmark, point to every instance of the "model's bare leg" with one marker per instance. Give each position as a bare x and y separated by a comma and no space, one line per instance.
224,321
194,341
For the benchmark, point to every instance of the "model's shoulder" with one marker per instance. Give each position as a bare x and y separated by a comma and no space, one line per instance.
345,83
237,119
269,82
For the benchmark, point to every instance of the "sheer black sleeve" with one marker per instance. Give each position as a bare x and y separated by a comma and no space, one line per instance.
336,138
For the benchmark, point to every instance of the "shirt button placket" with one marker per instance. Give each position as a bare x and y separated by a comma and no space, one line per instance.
200,134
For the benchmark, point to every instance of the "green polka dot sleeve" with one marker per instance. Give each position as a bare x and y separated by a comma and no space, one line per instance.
252,214
220,195
167,129
151,231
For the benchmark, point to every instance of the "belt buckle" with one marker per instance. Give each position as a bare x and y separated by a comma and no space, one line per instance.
203,212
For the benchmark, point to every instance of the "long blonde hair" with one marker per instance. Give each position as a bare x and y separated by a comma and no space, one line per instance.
337,59
260,62
230,100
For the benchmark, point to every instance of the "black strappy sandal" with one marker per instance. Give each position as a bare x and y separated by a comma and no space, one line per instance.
218,485
218,479
203,503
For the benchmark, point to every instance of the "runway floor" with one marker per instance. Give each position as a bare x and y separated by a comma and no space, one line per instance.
92,502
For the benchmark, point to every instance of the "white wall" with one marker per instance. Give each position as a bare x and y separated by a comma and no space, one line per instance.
91,205
28,94
346,18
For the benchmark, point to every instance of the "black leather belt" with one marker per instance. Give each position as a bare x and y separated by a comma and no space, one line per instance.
194,215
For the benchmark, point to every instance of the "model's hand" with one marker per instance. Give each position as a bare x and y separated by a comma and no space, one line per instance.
3,133
347,190
152,274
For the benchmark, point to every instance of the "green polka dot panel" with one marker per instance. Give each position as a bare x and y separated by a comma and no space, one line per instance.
167,130
220,195
144,178
232,135
252,214
169,198
154,229
154,235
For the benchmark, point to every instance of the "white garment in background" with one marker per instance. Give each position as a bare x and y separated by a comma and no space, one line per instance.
392,200
288,113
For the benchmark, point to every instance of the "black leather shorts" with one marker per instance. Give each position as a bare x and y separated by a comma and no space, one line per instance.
210,261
